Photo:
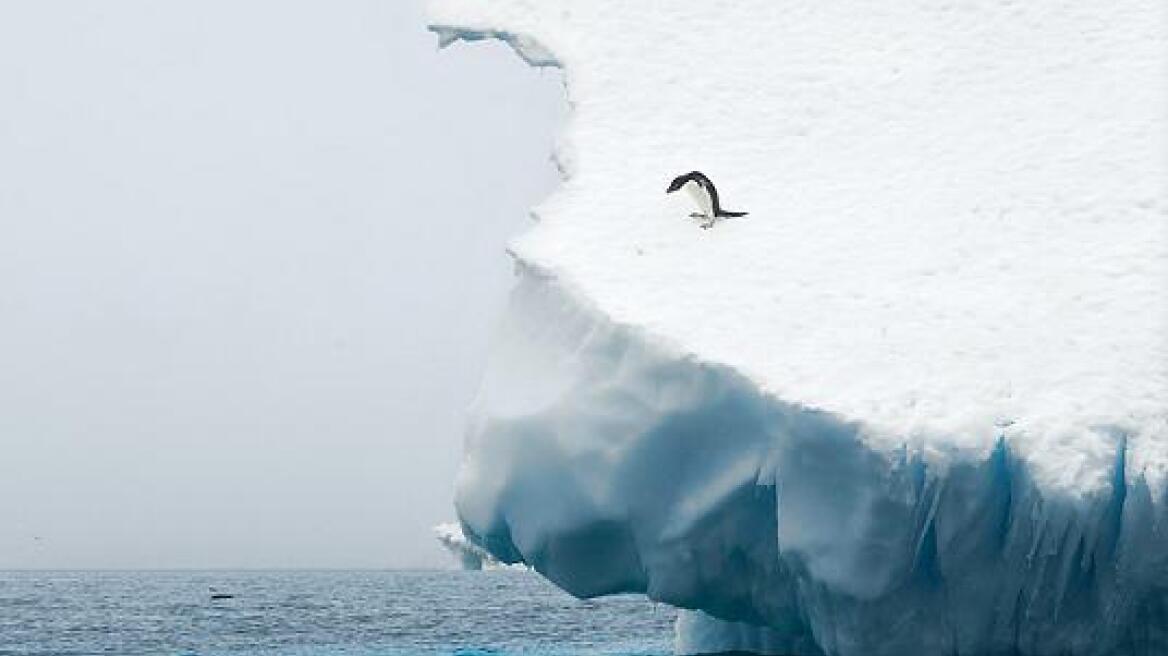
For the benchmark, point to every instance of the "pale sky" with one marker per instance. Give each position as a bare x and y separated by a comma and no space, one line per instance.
251,254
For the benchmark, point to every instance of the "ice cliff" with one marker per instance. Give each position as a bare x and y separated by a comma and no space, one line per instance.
917,401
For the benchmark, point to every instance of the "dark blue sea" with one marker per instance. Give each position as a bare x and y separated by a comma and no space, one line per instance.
318,613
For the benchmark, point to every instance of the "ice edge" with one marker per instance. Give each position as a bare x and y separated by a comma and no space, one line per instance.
529,49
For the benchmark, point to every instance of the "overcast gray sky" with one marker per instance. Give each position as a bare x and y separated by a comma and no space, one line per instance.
250,256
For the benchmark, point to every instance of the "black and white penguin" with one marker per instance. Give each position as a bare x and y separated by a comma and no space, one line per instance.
699,187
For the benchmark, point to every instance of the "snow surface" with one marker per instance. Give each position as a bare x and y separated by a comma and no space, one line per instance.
917,401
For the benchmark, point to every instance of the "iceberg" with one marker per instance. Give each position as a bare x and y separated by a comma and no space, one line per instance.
917,401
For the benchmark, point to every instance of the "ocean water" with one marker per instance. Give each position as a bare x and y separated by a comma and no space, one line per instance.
318,613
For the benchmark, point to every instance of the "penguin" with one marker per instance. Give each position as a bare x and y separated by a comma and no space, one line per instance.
699,187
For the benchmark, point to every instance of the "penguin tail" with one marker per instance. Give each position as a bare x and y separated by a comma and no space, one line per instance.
732,214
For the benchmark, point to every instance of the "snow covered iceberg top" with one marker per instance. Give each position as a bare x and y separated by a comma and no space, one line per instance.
958,212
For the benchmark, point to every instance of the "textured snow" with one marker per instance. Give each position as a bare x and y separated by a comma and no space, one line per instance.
958,210
917,401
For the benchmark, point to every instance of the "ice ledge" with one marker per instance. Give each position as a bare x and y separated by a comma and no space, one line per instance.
611,464
528,49
461,21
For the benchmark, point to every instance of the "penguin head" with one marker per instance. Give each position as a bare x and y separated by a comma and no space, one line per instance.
680,181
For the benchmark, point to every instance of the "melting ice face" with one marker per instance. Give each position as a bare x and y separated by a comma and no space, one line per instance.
611,464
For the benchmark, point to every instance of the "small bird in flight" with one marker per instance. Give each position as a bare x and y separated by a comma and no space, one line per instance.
699,187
